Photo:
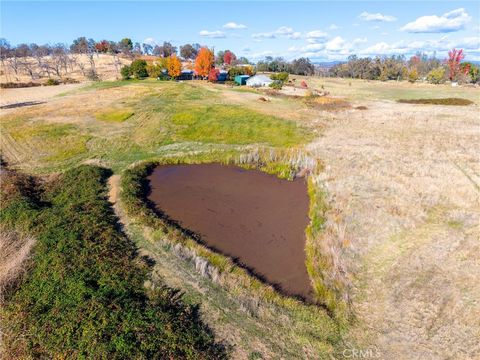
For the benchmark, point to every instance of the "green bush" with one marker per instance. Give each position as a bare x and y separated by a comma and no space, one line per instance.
154,70
437,75
52,82
276,85
239,70
282,76
138,69
84,297
125,71
412,75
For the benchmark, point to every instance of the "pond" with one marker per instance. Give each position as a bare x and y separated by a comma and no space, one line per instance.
255,218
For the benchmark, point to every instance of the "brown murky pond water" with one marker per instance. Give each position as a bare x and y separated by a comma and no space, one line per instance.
255,218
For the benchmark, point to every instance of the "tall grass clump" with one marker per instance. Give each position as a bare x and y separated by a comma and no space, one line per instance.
326,248
84,296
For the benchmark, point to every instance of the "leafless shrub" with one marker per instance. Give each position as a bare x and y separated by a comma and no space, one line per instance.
15,250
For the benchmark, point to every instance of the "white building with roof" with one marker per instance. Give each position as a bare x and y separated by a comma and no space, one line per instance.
259,80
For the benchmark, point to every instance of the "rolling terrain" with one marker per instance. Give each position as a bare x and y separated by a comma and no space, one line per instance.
400,182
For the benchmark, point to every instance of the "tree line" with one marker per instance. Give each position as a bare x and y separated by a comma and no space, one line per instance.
58,60
418,67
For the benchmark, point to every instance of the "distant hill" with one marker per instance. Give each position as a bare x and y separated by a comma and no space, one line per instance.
327,64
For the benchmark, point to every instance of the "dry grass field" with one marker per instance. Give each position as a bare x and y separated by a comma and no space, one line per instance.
404,180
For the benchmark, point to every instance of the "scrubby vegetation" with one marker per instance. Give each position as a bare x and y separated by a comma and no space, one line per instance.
84,296
441,101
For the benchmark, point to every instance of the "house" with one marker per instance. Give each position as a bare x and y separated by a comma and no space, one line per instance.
241,79
186,75
259,80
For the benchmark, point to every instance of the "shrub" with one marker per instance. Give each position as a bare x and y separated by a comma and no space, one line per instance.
92,75
84,296
276,85
437,75
412,75
239,70
125,72
283,76
154,70
51,82
138,69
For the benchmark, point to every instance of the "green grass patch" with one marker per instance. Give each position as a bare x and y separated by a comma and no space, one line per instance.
114,115
441,101
84,296
51,142
236,125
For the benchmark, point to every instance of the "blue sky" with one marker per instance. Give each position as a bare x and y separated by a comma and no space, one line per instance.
319,30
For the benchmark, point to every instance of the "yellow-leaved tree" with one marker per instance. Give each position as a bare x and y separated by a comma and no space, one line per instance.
174,66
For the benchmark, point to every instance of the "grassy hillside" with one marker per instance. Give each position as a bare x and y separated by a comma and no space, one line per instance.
84,296
121,122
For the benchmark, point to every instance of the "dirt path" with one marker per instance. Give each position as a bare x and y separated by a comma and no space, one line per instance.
33,94
407,178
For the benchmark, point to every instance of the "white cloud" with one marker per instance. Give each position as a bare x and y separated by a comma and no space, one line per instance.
150,41
334,27
316,36
295,35
451,21
234,25
336,44
366,16
212,34
359,41
284,30
281,31
313,47
265,35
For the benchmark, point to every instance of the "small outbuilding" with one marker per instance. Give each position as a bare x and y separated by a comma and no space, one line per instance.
259,81
222,76
241,79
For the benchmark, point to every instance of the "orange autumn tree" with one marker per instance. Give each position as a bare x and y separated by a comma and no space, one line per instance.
174,66
204,62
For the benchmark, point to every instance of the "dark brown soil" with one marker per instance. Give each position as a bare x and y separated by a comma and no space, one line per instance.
255,218
442,101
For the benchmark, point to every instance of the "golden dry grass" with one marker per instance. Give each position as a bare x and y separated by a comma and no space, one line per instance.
15,250
406,180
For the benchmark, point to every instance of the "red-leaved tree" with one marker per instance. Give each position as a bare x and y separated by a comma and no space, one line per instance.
228,57
102,46
453,62
213,75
